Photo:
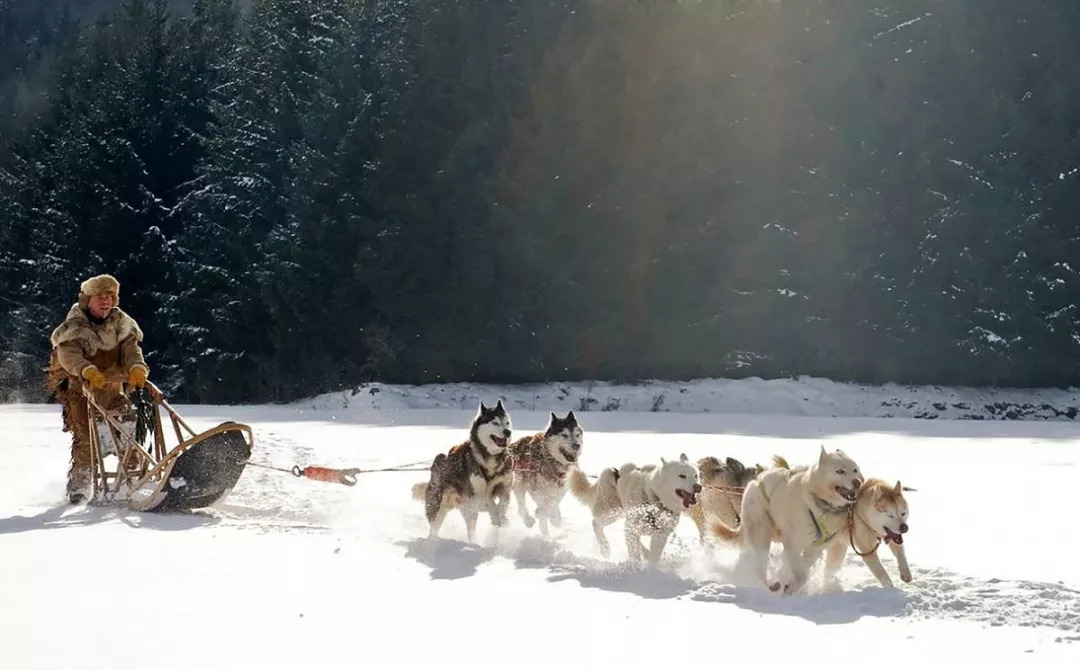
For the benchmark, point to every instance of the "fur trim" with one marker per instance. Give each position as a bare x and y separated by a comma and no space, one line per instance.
77,328
100,285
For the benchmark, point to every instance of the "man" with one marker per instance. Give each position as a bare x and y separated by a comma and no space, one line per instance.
98,345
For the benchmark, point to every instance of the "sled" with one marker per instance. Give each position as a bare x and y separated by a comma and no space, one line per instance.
200,470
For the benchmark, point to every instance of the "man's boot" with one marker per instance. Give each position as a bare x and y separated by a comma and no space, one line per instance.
80,477
79,488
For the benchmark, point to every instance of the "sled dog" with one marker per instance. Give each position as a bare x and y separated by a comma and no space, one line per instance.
804,507
650,499
879,515
722,487
473,476
541,462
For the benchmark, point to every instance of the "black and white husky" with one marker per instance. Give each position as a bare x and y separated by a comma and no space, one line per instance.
473,476
541,462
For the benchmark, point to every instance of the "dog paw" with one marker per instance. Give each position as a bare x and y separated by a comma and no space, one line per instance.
906,577
782,589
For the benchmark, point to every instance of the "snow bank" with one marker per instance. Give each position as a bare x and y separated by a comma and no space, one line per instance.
804,396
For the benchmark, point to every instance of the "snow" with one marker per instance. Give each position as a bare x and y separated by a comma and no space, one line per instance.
292,573
802,396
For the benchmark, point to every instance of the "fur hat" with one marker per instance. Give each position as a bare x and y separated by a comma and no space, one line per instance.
99,285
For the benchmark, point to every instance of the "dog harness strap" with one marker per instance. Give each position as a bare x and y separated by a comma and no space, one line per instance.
851,533
819,535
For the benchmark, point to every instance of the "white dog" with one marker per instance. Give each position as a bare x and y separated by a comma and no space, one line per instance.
805,508
649,498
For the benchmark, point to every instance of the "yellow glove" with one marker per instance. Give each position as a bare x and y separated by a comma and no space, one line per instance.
137,376
94,376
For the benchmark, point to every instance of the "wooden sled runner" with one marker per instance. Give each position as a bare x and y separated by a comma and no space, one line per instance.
198,471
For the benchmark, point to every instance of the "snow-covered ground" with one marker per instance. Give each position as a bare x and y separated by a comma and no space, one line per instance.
292,573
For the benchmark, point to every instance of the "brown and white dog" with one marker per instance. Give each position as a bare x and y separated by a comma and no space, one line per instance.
473,476
879,515
721,494
541,462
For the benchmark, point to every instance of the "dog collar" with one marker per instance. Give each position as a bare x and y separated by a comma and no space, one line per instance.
829,507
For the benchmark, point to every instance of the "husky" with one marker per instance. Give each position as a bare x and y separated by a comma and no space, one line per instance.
722,491
472,476
879,510
541,462
649,498
804,507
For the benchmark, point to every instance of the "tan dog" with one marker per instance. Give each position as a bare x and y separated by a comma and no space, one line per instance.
805,508
880,515
721,494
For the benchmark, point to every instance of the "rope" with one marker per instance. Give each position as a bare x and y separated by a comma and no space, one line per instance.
726,489
346,476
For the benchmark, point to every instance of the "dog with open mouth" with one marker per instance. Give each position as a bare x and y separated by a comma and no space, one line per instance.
879,515
541,463
803,507
473,476
651,499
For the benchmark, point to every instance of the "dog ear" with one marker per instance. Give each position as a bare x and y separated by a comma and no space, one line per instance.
897,488
483,407
662,461
499,406
554,418
570,416
736,466
683,458
822,455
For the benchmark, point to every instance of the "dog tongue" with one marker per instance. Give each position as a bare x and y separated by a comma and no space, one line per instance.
895,538
688,498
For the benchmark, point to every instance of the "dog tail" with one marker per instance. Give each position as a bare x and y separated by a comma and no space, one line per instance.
724,532
780,462
419,489
581,488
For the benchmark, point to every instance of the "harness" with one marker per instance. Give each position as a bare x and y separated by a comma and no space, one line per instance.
541,464
851,533
821,532
820,535
732,490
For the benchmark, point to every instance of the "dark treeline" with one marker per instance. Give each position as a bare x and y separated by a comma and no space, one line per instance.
301,195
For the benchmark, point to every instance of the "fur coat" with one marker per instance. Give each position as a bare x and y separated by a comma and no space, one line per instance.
112,345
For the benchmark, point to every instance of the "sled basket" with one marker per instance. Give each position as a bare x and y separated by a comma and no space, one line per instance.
200,470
